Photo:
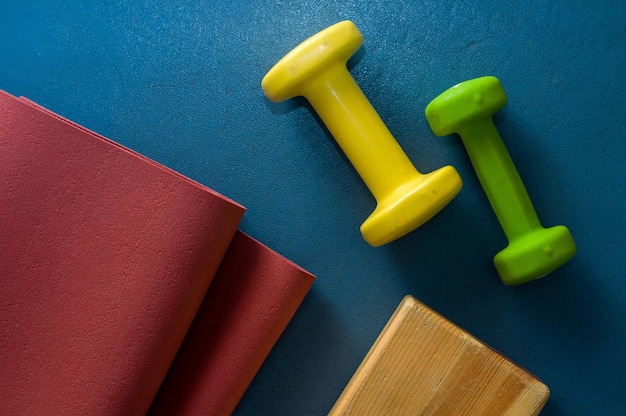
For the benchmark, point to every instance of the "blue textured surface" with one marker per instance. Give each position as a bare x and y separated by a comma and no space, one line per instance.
180,83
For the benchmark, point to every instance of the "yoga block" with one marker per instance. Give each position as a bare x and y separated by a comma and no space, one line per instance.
422,364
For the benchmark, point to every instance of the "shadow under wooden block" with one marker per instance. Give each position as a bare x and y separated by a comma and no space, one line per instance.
422,364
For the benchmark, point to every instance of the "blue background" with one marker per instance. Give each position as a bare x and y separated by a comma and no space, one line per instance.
179,81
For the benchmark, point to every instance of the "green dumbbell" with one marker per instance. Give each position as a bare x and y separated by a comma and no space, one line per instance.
533,251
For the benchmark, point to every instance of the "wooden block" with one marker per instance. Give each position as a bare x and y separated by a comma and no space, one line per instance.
422,364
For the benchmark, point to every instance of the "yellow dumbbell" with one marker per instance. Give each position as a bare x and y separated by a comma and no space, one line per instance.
316,69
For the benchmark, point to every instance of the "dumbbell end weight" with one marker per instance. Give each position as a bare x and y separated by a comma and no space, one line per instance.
535,255
411,205
328,48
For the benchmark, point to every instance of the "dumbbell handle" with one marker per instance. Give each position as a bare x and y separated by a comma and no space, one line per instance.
359,130
499,178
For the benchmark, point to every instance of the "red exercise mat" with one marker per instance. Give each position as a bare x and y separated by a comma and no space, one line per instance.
105,259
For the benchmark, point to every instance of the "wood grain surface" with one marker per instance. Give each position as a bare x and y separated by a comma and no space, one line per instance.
422,364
